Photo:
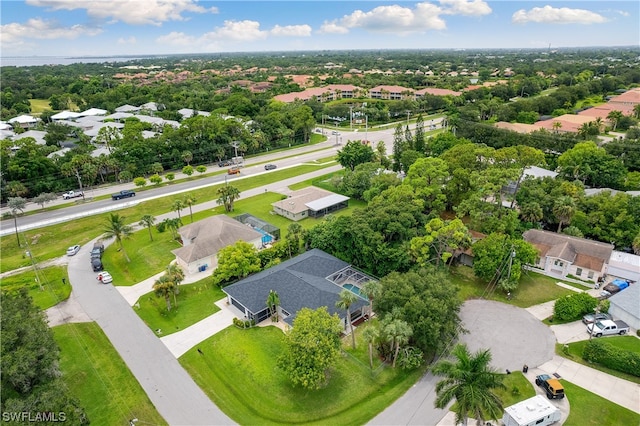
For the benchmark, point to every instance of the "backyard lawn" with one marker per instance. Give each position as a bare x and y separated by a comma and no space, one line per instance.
627,343
195,303
99,379
590,409
237,370
45,288
532,290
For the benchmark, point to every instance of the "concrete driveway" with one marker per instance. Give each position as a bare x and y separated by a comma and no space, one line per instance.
514,336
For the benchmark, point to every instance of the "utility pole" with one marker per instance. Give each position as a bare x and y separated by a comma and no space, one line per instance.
351,117
593,323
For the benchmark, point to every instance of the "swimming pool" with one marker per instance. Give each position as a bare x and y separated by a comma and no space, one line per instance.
354,289
267,238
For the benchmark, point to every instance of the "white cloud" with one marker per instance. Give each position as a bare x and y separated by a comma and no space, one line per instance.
552,15
176,38
130,40
465,7
135,12
41,29
393,18
291,31
332,28
237,31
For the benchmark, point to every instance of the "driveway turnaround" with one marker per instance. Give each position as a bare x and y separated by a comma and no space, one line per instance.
514,336
173,392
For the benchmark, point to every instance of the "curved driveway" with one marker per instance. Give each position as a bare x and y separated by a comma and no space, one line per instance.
514,336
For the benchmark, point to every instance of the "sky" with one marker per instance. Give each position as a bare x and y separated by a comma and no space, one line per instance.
148,27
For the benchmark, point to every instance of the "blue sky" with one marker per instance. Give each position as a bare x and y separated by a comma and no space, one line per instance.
134,27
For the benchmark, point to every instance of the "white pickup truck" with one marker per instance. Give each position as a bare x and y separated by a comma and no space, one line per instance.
607,328
72,194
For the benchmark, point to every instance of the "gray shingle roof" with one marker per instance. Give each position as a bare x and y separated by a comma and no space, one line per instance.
628,299
300,283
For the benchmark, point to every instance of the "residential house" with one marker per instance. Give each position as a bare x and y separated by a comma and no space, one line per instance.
202,240
625,266
309,202
65,115
563,255
24,121
625,305
311,280
395,93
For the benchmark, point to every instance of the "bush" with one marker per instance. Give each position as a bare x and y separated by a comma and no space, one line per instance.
601,352
155,179
243,323
574,306
170,176
140,181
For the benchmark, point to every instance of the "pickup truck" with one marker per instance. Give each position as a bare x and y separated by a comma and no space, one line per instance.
613,287
123,194
72,194
607,328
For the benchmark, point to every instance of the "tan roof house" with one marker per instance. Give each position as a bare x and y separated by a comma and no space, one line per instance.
309,202
202,240
562,255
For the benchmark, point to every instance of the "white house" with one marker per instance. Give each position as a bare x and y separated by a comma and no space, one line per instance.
24,121
309,202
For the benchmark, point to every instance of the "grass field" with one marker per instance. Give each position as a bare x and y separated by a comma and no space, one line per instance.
99,379
589,409
532,290
39,106
45,287
195,303
238,371
627,343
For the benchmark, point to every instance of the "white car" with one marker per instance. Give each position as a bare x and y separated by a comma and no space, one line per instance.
104,277
73,250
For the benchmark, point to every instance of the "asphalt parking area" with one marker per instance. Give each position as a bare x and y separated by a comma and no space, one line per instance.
514,336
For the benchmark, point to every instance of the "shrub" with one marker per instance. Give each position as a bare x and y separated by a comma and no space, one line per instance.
573,306
601,352
140,181
155,179
243,323
187,170
201,169
170,176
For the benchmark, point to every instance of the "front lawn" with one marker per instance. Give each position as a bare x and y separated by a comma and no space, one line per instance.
590,409
627,343
45,288
99,378
237,370
532,290
195,303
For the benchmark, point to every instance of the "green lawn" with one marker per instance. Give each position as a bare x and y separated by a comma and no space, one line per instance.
38,106
590,409
99,379
532,290
52,241
147,258
238,371
517,388
195,303
627,343
46,291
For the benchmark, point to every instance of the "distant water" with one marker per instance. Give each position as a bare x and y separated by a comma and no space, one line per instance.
32,61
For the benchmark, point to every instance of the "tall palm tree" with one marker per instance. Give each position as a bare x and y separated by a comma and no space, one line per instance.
557,125
636,110
165,287
370,334
531,212
614,117
346,299
177,206
147,221
116,228
273,301
176,274
189,201
564,209
399,333
228,194
172,225
469,380
16,206
371,289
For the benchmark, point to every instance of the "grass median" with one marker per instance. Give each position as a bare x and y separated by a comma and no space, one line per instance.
45,286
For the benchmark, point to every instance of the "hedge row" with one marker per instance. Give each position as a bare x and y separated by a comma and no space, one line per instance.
243,323
601,352
573,306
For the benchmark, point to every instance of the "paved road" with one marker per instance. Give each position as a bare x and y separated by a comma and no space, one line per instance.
173,392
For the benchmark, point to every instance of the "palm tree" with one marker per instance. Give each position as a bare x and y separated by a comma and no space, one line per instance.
563,209
371,289
228,194
470,381
636,110
116,228
614,117
16,205
273,301
165,287
531,212
636,244
370,334
176,274
294,230
147,221
177,206
557,125
399,332
187,157
346,299
172,225
189,201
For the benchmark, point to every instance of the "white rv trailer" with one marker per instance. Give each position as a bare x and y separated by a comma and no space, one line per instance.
536,411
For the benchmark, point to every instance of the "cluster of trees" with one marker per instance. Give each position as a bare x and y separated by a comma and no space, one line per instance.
31,379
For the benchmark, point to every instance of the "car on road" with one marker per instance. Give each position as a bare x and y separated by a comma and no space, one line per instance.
73,250
552,386
270,167
96,264
104,277
589,318
335,132
234,170
224,163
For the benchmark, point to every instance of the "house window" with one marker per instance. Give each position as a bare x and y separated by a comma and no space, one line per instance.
558,263
578,271
590,275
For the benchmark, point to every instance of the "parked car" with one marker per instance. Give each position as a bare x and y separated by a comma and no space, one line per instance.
224,163
96,264
589,318
607,328
104,277
73,250
270,167
552,386
234,170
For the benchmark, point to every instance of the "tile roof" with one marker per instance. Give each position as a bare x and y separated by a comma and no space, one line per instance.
437,92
